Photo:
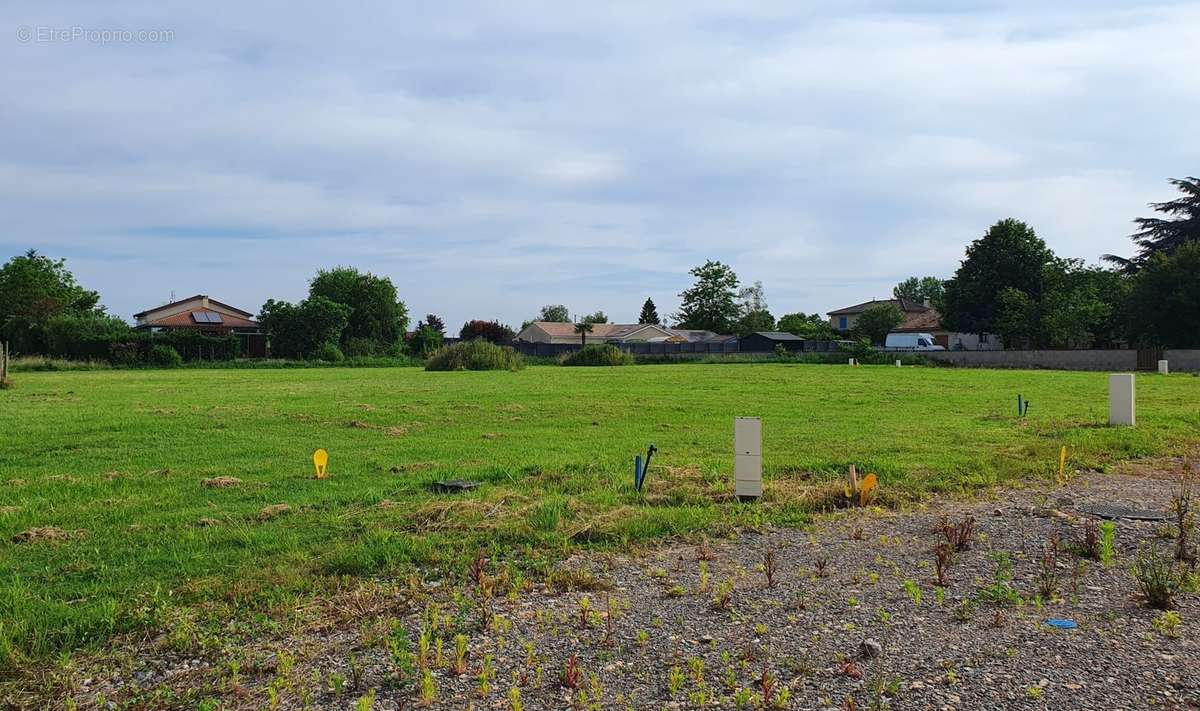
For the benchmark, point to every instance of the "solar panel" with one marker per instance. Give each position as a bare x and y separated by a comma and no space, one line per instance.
206,317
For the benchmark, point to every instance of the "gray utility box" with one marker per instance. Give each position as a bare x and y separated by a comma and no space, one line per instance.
747,457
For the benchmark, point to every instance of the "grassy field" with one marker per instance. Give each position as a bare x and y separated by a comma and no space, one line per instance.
116,460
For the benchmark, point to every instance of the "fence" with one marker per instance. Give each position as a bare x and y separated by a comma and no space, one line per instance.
554,350
1105,360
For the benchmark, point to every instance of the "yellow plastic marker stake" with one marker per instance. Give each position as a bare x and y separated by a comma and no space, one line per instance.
867,488
320,459
1062,467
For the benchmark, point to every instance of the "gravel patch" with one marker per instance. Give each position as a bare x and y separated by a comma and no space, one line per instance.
851,618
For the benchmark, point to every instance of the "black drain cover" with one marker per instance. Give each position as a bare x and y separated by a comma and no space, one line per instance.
1111,511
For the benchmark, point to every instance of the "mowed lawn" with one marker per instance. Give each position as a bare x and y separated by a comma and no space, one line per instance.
117,458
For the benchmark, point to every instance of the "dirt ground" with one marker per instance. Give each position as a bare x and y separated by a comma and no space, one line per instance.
851,617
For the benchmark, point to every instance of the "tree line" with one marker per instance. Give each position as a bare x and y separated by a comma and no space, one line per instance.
1010,283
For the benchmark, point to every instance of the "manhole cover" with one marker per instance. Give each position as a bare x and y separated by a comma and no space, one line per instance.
454,485
1111,511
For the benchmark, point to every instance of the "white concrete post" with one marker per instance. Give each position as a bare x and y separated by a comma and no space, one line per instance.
898,365
1163,368
747,457
1121,400
851,362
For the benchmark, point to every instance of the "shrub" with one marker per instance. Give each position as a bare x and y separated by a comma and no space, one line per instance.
493,331
478,354
329,353
165,357
361,347
598,354
124,353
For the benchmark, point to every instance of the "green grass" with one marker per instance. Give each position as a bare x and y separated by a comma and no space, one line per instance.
118,456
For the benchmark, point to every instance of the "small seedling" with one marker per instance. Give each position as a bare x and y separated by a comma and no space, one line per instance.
459,666
1048,584
770,566
428,689
1167,624
821,567
959,535
675,680
572,676
1107,545
943,557
1185,518
723,599
914,591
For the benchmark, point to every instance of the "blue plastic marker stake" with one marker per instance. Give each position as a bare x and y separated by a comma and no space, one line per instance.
1062,624
638,473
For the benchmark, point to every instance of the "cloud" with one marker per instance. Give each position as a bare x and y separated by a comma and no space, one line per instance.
493,157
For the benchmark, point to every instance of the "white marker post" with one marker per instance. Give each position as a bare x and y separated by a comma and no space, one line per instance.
1121,400
898,365
747,457
851,362
1163,368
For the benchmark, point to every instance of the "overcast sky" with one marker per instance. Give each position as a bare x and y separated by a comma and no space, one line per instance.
493,157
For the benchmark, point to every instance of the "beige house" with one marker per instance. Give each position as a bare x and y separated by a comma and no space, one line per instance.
918,318
208,316
556,332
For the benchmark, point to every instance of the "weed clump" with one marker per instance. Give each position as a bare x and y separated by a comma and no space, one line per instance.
475,355
598,354
1158,577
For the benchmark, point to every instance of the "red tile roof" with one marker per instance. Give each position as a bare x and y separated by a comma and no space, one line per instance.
247,314
184,320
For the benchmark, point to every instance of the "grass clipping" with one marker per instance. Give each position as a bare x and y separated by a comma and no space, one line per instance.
475,355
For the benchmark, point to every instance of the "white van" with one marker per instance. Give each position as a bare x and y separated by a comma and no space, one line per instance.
912,342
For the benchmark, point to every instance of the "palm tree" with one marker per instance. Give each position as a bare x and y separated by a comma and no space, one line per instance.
1159,236
583,329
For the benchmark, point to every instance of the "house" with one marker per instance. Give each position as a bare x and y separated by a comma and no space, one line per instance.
201,314
918,318
764,341
556,332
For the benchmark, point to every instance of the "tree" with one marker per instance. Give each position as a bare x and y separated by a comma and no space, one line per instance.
1079,307
753,321
555,313
34,288
1165,236
710,304
493,331
649,313
753,314
435,322
425,340
1164,304
376,314
63,332
813,327
598,317
301,330
1016,318
877,321
1009,255
920,290
583,329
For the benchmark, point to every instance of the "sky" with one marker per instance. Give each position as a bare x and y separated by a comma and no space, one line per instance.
490,158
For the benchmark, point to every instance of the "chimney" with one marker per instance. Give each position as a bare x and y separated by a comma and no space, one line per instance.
204,301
